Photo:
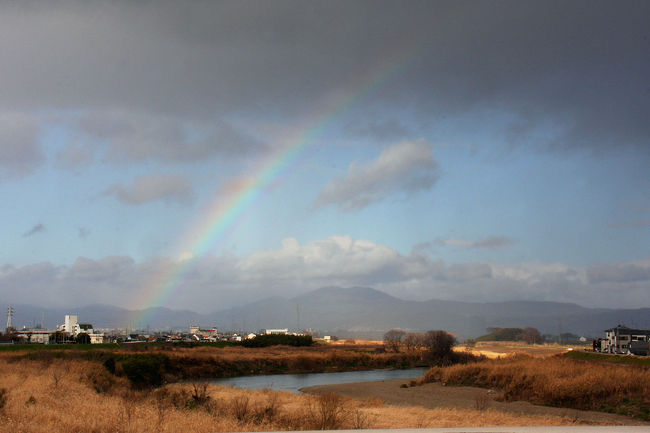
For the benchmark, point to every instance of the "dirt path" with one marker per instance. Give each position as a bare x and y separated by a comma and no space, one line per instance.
433,395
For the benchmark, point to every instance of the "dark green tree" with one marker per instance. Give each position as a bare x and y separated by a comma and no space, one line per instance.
82,338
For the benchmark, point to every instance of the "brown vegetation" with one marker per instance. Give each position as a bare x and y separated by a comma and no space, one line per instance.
64,395
557,381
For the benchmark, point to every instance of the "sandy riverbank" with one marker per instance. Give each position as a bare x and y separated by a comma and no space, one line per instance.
434,395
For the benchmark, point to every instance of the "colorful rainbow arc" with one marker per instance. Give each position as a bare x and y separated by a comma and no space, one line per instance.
231,204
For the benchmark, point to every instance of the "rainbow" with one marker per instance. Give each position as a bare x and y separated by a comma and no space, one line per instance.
233,200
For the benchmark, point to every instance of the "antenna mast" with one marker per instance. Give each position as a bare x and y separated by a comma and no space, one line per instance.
10,314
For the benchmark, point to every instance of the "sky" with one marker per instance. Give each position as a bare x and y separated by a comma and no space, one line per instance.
201,155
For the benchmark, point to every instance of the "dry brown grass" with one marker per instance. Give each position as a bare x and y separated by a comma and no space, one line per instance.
496,349
64,396
557,381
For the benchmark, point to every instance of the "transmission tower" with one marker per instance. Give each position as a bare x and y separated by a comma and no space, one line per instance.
10,314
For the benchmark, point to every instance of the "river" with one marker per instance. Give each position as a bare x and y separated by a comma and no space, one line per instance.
293,382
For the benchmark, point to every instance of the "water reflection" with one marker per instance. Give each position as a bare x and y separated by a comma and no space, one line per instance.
293,382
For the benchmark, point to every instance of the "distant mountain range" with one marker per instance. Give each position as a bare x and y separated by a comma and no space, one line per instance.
357,312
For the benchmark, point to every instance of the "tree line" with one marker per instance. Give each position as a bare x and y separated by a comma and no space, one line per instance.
436,346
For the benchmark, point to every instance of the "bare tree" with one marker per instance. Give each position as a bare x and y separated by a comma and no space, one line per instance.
439,344
413,341
532,336
393,339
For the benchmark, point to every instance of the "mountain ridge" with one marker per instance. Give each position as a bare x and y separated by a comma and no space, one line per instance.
355,311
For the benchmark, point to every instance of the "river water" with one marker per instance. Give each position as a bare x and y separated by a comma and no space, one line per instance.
293,382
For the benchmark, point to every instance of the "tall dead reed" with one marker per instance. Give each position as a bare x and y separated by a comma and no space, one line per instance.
557,381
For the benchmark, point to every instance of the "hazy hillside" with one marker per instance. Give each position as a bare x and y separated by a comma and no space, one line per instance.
357,311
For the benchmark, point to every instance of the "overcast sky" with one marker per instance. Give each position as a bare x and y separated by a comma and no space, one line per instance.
477,151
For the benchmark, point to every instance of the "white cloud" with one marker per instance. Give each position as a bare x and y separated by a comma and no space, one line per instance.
153,187
294,268
403,168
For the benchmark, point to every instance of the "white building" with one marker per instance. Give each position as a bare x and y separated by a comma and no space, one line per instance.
276,331
71,324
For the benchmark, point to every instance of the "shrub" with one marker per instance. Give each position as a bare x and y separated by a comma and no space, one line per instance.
4,396
100,380
239,407
109,364
145,371
200,393
328,412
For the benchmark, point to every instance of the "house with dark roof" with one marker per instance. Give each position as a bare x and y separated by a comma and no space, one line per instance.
624,340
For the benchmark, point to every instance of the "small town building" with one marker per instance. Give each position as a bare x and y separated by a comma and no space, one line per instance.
276,331
199,333
38,336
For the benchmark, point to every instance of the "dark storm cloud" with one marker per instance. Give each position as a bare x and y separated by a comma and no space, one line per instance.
137,137
579,67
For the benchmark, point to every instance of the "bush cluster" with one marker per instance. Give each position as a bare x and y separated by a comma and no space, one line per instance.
142,370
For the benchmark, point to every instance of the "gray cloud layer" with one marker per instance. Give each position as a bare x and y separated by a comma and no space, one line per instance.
20,152
339,260
137,137
489,243
578,67
145,189
400,169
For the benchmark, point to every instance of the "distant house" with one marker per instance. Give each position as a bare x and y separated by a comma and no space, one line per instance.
624,340
276,331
